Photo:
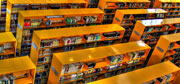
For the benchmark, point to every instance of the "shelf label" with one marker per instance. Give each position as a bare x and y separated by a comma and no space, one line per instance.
160,49
34,45
19,26
117,19
8,11
137,33
100,8
55,72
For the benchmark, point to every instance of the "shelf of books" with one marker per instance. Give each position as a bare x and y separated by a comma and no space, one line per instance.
7,45
127,18
2,15
150,30
163,73
20,70
172,6
87,65
92,3
28,21
110,6
46,42
167,48
14,6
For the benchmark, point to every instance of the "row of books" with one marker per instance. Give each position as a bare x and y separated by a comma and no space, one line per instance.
69,68
137,54
9,79
4,47
170,5
32,23
73,20
157,34
72,40
132,56
71,77
6,56
14,17
90,19
45,52
42,81
50,43
143,16
42,75
26,39
87,75
43,67
44,60
78,39
163,80
80,75
116,59
114,67
27,32
92,37
26,46
172,9
124,5
58,20
133,62
173,14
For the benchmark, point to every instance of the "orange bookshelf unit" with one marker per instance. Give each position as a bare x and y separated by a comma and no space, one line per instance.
167,48
150,30
87,65
127,18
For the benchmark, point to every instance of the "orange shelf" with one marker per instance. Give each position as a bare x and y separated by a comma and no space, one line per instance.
8,52
24,81
161,49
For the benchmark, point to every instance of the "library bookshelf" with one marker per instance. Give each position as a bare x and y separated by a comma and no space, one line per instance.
7,45
28,21
14,6
46,42
96,58
110,7
172,6
167,71
150,30
127,18
167,48
20,70
2,15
